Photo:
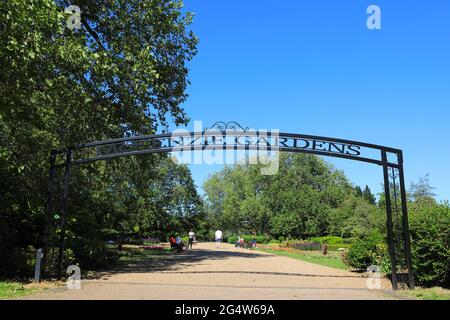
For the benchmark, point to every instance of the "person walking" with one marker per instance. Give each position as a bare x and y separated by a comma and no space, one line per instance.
191,239
218,236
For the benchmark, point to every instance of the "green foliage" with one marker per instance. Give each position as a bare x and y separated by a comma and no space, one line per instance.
259,239
18,261
328,239
427,294
308,199
365,252
430,234
91,255
294,203
61,87
358,191
369,196
334,243
13,290
422,191
232,239
51,267
355,218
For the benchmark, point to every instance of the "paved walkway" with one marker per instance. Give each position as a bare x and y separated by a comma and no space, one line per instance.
224,273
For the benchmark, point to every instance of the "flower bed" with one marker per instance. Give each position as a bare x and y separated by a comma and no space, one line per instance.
294,246
305,246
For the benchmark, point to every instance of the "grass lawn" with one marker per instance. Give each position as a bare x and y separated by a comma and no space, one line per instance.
330,260
427,294
13,290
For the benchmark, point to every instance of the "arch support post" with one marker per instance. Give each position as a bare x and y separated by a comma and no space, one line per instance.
406,234
390,229
65,200
51,190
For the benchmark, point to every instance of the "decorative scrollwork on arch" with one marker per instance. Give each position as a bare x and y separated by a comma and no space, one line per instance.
227,126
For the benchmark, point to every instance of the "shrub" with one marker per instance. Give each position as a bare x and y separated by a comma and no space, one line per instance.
430,237
259,239
91,255
331,240
348,240
51,268
282,239
274,241
365,252
384,260
210,236
232,239
247,238
18,262
334,243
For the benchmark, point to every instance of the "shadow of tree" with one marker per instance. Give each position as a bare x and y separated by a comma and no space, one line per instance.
176,263
173,262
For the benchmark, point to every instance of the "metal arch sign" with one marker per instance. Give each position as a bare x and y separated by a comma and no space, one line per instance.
231,136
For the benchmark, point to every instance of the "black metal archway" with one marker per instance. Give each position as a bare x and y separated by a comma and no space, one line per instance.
232,136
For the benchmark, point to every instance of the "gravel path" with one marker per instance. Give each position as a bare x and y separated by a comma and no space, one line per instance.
224,273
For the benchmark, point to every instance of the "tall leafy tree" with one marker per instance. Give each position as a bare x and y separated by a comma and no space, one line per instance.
422,191
368,195
295,202
123,72
358,191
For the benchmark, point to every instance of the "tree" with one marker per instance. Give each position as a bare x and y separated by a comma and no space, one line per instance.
356,218
369,196
422,191
123,73
430,243
294,203
358,191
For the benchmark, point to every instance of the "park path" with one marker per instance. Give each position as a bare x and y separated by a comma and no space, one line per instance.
224,273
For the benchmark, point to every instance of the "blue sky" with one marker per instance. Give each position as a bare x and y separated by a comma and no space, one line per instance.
313,67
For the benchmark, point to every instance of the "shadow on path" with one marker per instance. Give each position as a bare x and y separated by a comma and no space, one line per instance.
173,262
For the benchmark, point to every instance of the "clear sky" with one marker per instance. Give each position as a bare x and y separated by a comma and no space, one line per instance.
313,67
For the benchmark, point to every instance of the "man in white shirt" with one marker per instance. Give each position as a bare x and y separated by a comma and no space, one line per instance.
218,237
191,239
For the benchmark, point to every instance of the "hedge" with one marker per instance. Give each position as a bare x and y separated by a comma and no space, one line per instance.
366,251
430,238
259,239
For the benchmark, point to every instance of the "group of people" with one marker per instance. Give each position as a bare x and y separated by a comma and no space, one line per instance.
177,244
241,243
